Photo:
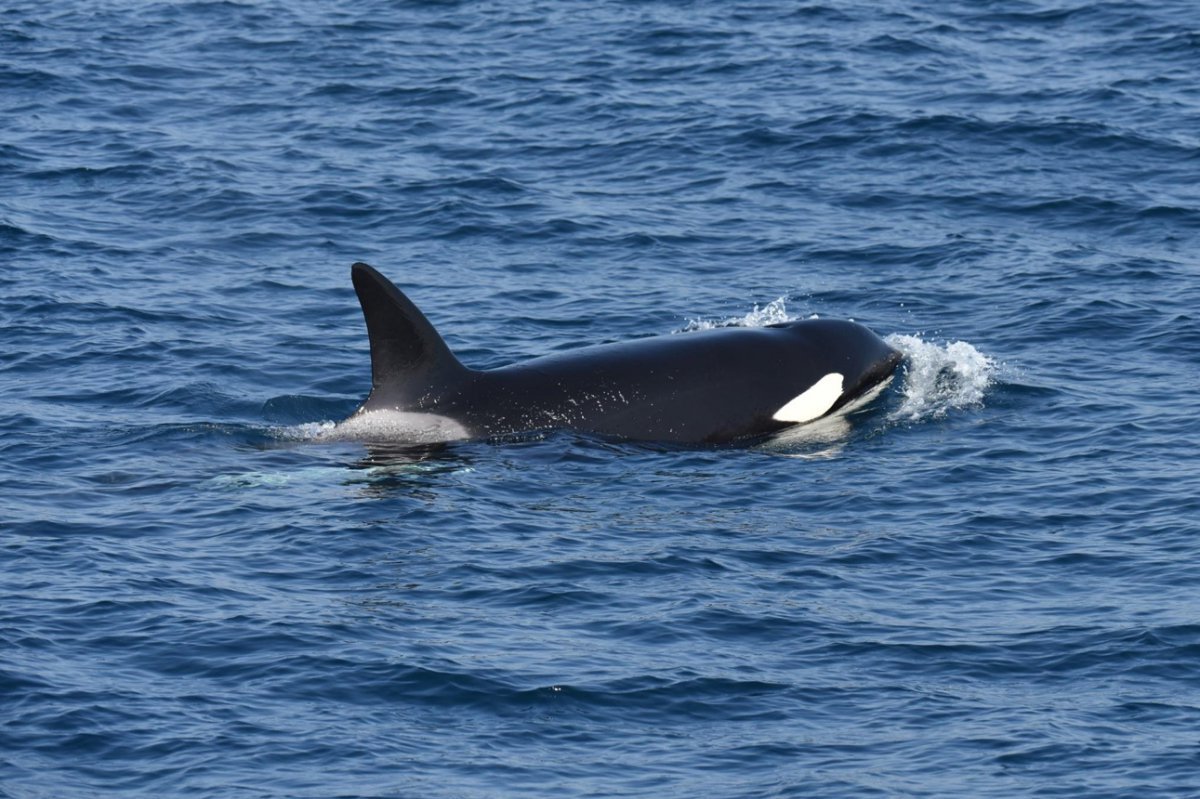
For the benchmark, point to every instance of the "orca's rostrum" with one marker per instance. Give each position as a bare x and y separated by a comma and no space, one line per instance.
709,386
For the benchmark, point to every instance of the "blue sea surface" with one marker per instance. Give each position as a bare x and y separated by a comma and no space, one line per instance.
987,584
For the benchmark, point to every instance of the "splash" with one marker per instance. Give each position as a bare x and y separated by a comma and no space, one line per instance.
773,313
940,378
306,431
393,426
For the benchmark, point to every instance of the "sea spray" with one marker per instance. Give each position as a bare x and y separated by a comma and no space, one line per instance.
773,313
939,378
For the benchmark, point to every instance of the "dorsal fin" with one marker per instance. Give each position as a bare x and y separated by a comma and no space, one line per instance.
410,363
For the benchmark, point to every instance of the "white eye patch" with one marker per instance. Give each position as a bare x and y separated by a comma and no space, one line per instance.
814,402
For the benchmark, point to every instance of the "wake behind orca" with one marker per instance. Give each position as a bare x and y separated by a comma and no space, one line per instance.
711,386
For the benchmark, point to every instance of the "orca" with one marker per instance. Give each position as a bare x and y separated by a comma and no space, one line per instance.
705,387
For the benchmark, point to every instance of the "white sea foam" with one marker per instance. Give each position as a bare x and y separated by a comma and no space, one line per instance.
399,426
773,313
392,426
939,378
308,431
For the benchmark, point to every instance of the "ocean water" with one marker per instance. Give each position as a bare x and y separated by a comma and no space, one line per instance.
983,585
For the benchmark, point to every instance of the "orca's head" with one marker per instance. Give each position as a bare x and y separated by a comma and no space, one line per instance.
869,360
842,363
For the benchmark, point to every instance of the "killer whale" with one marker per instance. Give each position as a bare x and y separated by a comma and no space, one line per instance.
704,387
